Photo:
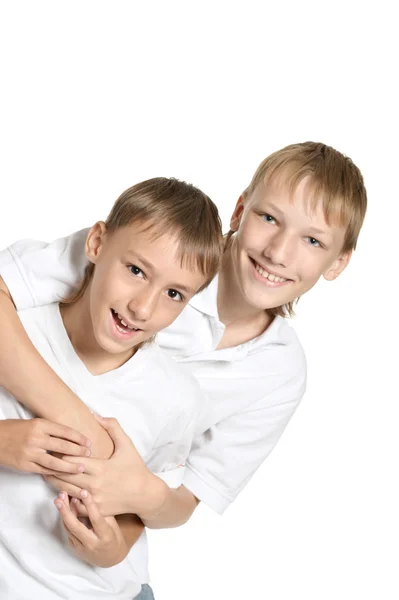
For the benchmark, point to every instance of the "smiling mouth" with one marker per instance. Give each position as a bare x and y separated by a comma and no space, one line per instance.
121,325
269,276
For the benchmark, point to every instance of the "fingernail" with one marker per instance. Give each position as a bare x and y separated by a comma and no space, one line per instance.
83,494
87,453
61,495
74,500
88,443
81,468
58,504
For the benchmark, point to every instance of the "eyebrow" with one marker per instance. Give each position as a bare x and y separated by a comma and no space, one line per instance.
151,267
318,231
273,207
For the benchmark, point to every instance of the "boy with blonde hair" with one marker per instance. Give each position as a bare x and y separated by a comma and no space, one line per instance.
298,220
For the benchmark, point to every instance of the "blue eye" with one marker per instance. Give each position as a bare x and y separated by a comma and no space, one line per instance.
135,271
314,242
175,295
268,218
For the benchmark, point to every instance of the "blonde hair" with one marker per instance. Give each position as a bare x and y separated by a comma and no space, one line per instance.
334,180
167,205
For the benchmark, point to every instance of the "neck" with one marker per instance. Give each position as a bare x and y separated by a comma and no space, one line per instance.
233,308
79,327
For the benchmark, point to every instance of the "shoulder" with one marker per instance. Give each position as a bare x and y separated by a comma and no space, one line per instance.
276,363
38,316
280,346
43,325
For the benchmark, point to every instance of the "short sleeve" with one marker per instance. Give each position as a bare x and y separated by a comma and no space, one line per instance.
174,477
37,273
226,456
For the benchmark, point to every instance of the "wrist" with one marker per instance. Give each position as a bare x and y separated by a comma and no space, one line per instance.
155,494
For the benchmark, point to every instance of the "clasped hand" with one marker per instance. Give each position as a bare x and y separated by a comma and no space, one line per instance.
102,544
119,485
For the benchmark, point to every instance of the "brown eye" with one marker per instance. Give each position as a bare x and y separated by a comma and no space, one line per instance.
175,295
135,270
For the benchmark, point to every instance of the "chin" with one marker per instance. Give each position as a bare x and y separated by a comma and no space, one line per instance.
109,345
261,301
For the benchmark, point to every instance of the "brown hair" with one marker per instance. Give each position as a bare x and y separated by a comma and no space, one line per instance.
333,179
169,205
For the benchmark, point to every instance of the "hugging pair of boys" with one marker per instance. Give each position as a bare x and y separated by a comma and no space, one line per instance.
178,333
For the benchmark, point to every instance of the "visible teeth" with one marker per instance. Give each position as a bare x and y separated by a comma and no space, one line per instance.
269,276
124,330
125,324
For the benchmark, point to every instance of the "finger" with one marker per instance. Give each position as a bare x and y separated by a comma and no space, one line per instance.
117,434
92,466
52,463
73,540
71,490
66,433
73,525
54,444
73,505
100,525
63,496
81,509
80,480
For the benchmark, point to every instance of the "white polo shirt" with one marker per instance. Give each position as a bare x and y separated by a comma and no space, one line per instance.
157,405
253,388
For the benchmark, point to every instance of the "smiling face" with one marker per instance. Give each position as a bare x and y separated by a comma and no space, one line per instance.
138,287
281,247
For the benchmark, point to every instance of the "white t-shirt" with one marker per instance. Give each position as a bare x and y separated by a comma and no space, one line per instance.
156,403
253,388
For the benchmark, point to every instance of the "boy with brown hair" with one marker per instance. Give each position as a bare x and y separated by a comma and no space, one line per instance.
146,261
298,220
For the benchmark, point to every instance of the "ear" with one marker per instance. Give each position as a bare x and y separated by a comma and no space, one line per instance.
237,214
338,266
95,241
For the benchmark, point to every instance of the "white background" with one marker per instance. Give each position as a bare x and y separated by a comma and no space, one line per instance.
96,96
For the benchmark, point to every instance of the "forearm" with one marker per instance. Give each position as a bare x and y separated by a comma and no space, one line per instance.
175,509
27,376
131,527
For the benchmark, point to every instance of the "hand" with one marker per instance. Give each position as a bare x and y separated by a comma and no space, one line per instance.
101,546
122,484
25,445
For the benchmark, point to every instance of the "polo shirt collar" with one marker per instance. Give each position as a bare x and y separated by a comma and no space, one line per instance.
206,301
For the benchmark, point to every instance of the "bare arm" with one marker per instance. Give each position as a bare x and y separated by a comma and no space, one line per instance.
40,389
142,493
176,509
131,527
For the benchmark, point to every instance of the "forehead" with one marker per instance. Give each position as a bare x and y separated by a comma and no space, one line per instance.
157,250
138,235
303,198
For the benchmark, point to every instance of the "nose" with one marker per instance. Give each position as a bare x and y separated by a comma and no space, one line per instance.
280,249
142,305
